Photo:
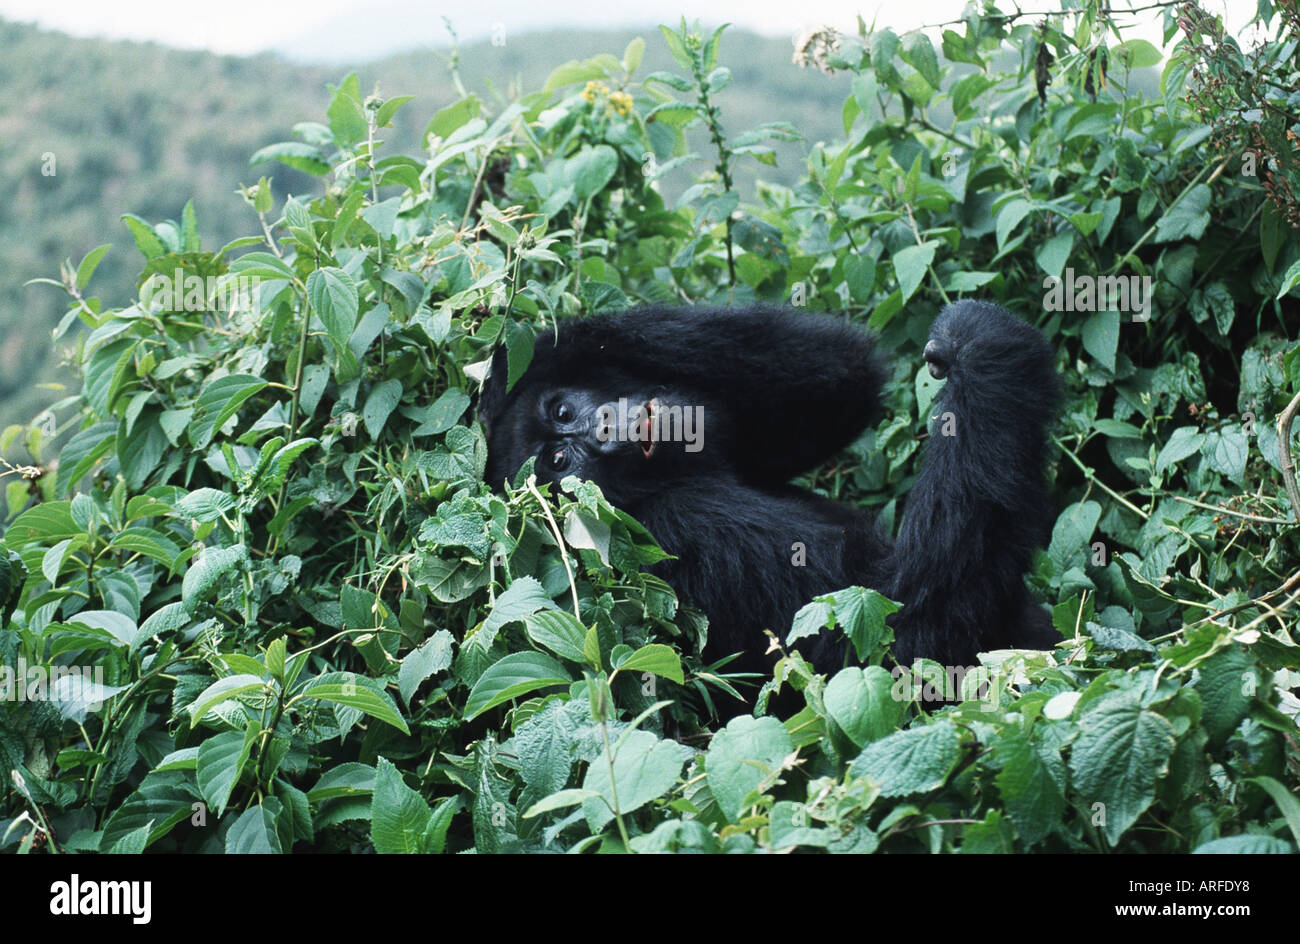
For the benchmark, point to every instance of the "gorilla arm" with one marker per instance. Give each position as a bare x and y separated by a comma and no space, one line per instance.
980,504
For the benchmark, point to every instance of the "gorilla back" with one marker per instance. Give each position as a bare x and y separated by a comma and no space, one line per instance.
695,420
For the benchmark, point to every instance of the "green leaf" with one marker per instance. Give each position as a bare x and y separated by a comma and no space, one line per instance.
912,761
676,47
633,54
206,504
1226,450
1072,534
254,832
203,574
743,757
348,779
162,800
1187,218
89,263
399,817
146,240
1136,54
1101,337
82,453
431,658
1226,682
560,632
918,52
1245,844
442,414
389,108
295,154
544,745
333,296
657,659
221,759
590,170
1286,802
150,543
561,800
219,401
523,598
345,688
1183,442
52,562
910,266
47,522
347,116
517,674
1009,217
862,704
645,768
1031,784
223,690
384,397
1121,751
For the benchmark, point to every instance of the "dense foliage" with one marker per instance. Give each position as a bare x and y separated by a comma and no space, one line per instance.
96,128
317,628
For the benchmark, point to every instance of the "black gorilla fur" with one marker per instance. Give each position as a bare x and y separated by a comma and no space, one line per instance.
782,391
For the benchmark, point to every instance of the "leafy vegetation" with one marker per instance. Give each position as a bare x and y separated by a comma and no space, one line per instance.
315,627
138,128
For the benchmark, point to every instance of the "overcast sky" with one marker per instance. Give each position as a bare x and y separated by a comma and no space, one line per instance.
336,29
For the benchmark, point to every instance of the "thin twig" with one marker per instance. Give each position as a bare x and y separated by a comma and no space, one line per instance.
559,541
1229,511
1284,447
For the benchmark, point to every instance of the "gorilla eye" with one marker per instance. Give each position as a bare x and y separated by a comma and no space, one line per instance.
562,412
558,460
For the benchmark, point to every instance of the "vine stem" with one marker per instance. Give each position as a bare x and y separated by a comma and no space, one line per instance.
1091,475
559,541
297,395
1288,461
1229,511
613,788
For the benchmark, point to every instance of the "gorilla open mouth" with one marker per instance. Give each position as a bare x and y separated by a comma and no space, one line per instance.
647,428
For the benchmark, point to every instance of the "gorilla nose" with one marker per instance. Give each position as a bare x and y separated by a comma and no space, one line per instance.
934,357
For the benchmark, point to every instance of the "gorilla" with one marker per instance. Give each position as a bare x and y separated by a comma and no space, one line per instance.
695,420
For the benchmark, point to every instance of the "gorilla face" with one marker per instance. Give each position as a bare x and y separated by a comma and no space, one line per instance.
614,441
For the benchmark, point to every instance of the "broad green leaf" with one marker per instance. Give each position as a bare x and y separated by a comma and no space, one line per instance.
517,674
591,169
645,768
1101,337
1121,751
203,573
219,401
221,759
913,761
744,756
383,399
355,695
223,690
333,296
657,659
1183,442
399,816
559,631
419,664
862,703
